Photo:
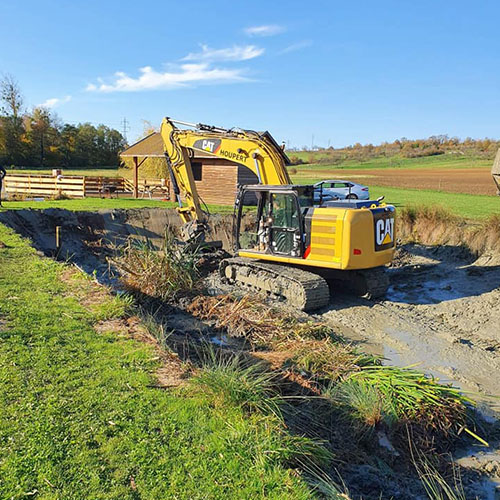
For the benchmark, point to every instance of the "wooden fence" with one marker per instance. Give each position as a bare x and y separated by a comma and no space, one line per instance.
48,186
44,186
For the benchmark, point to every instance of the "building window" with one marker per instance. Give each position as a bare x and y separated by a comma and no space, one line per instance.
196,167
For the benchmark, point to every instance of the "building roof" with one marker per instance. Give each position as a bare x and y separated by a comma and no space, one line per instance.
150,146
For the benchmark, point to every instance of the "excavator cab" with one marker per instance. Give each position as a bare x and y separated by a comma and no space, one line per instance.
270,219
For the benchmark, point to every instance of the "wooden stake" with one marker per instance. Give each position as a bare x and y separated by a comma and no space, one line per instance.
58,238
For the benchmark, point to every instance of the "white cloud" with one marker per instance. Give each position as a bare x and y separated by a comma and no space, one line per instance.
296,46
234,53
265,30
55,101
185,74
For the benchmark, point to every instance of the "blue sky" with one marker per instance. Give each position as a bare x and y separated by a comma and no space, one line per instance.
341,71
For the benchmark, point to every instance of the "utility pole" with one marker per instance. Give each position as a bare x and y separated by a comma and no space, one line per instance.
312,142
126,128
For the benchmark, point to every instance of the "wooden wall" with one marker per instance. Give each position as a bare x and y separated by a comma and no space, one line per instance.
220,179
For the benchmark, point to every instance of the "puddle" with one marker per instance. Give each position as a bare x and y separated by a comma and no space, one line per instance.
426,357
486,461
219,340
427,292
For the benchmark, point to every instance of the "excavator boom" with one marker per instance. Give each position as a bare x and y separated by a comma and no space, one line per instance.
256,151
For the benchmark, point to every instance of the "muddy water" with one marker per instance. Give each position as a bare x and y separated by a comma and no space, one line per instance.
442,312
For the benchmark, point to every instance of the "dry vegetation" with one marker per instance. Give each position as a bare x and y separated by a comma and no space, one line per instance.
435,225
301,375
158,273
367,393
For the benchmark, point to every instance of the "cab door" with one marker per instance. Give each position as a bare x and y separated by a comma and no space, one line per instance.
285,225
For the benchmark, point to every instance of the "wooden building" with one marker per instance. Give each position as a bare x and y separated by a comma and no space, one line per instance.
217,179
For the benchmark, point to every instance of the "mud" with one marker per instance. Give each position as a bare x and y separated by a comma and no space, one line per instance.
442,311
476,180
88,238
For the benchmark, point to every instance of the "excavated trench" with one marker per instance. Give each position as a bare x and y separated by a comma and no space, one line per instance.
442,310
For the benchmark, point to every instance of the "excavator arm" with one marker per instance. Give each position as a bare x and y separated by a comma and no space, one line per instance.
256,151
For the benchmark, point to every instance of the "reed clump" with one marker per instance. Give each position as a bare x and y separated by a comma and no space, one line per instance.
163,273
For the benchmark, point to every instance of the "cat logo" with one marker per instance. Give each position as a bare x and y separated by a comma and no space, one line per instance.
384,230
210,146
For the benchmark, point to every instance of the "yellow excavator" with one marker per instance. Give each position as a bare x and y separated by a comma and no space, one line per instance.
288,242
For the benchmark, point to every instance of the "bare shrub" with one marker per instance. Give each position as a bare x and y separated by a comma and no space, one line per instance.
295,160
260,323
165,273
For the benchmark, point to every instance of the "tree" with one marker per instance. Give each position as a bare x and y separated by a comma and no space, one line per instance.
11,97
38,132
12,123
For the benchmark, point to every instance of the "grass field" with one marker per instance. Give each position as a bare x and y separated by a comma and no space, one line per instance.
439,161
101,204
81,418
448,161
393,185
469,206
465,205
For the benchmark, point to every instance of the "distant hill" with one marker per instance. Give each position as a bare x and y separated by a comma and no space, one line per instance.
401,148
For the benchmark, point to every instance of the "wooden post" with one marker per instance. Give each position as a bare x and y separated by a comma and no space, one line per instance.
58,239
136,178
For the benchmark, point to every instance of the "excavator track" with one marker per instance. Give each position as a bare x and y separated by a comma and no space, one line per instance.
301,289
368,283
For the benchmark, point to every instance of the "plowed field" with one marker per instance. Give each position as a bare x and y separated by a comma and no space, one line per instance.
471,181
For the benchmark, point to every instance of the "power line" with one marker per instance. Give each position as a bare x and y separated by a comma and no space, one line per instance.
126,127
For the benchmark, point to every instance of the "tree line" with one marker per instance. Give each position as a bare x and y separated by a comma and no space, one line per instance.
403,148
38,138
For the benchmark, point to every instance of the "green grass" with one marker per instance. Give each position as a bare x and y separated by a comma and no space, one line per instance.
471,206
80,417
439,161
94,172
101,204
466,205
